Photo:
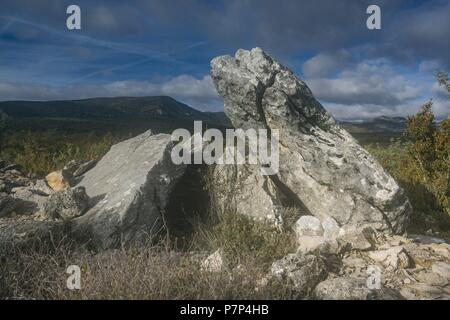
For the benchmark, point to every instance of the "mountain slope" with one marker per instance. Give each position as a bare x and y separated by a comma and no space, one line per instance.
160,113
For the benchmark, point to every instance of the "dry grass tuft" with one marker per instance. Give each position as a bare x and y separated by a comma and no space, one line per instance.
154,271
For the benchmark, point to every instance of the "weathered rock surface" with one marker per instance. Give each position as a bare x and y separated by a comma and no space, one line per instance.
20,195
308,226
83,168
326,237
415,271
242,189
129,189
303,272
66,204
351,288
392,258
320,163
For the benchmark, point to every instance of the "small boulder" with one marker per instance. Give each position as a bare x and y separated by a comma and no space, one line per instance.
350,288
308,226
357,240
303,272
432,278
331,229
392,259
441,268
422,291
58,180
66,204
214,263
310,244
28,200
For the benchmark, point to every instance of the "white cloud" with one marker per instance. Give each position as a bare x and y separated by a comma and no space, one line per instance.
325,64
372,88
367,111
370,82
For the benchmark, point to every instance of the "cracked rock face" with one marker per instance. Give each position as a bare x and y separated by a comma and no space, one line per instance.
243,190
320,163
129,190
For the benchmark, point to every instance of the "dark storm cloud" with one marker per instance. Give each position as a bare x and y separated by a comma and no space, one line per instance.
282,27
125,45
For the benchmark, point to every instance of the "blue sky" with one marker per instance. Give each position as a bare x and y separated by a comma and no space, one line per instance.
141,48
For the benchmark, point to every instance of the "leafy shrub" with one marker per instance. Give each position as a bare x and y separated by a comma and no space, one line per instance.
430,148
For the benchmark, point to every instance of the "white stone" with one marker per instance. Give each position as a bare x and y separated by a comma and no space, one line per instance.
442,269
331,229
392,259
216,262
308,226
309,243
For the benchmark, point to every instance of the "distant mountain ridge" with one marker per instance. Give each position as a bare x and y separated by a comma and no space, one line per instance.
379,124
135,114
161,113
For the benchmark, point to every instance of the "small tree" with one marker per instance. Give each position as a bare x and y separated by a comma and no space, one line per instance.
443,80
3,118
430,148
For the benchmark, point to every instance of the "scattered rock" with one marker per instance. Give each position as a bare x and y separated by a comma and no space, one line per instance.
356,239
331,229
353,262
66,204
351,288
28,200
311,244
303,272
308,226
419,290
42,187
393,258
442,249
432,278
422,256
441,268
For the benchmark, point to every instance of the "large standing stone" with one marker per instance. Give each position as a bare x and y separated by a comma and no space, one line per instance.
320,163
129,188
